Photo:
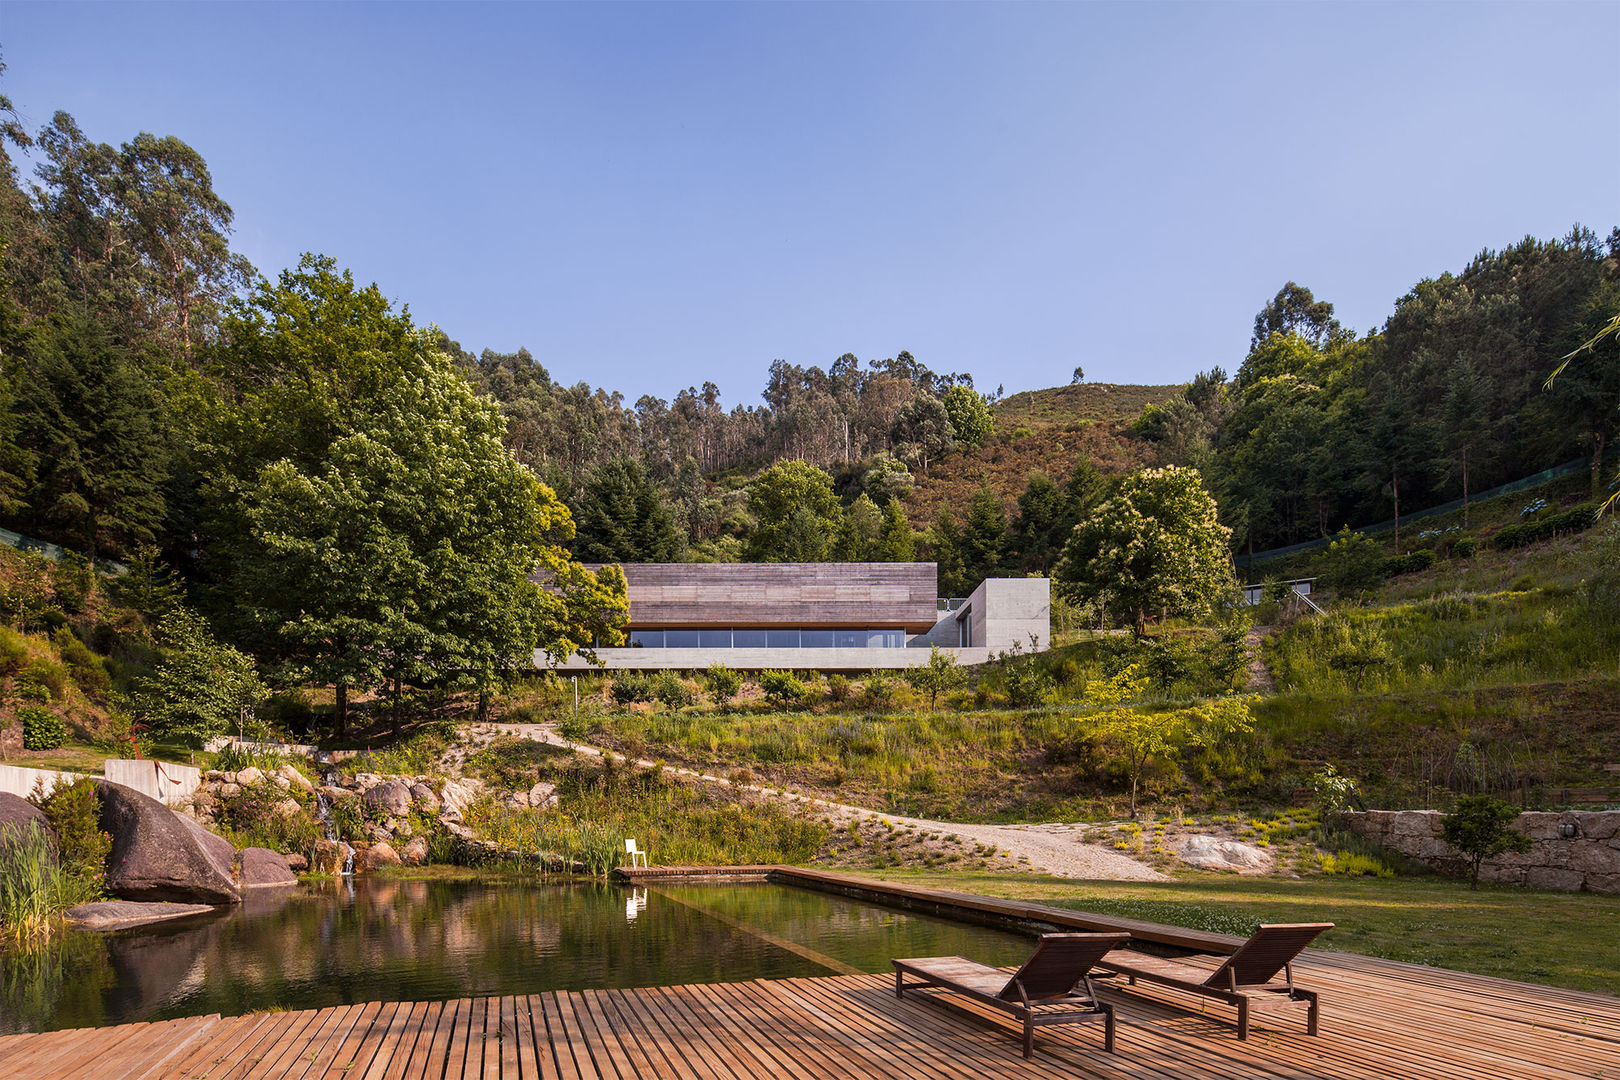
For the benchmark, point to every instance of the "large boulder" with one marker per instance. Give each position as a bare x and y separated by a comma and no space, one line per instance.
416,852
295,778
262,867
329,857
543,796
17,814
457,795
158,854
424,797
392,798
378,856
1213,853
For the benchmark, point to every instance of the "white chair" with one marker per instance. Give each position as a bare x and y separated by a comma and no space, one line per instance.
634,852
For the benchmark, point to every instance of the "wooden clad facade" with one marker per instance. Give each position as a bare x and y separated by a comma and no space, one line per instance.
721,595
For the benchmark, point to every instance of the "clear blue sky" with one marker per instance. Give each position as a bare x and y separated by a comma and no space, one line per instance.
648,196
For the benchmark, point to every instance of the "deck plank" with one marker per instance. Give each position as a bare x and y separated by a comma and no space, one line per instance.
1380,1019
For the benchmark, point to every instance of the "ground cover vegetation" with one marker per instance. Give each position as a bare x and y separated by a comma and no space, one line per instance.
1510,933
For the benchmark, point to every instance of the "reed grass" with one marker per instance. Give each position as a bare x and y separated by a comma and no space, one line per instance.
34,887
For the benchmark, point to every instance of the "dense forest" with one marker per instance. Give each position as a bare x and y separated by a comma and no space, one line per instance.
1321,428
151,378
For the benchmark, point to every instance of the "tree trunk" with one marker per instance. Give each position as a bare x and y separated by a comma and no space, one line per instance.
397,710
1465,487
1598,442
483,705
340,712
1395,488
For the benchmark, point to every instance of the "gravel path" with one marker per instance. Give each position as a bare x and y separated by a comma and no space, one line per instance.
1055,849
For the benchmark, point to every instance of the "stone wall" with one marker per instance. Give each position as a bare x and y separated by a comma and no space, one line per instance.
1589,861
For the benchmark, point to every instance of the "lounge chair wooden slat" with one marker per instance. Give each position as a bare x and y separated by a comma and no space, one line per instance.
1245,979
1052,986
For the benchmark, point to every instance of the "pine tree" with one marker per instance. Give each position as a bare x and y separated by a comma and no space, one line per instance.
899,543
985,538
93,424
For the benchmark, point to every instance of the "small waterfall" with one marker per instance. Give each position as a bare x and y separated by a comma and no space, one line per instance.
323,814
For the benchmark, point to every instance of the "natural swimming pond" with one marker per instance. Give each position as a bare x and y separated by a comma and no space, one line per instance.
370,939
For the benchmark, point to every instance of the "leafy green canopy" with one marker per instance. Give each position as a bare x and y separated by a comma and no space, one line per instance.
798,513
200,687
371,525
1153,545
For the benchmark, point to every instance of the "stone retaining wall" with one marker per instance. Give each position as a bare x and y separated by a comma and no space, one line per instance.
1589,861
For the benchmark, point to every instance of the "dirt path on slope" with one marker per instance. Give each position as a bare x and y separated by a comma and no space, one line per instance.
1055,849
1260,678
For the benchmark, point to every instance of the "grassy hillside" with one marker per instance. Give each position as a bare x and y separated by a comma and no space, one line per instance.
1040,431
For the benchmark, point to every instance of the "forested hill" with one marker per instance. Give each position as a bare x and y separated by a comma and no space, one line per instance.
134,340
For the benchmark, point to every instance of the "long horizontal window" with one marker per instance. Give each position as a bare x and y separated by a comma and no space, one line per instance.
745,638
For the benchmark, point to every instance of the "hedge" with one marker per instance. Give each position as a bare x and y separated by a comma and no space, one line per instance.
1572,520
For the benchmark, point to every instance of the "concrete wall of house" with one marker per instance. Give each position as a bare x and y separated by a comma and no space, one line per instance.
1009,611
1589,861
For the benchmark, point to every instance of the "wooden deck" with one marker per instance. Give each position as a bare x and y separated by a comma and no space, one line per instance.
1379,1019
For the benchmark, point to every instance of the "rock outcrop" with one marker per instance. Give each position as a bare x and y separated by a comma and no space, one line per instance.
120,914
1213,853
260,867
160,855
391,798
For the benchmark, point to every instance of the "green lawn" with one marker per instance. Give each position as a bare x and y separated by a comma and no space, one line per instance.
1554,938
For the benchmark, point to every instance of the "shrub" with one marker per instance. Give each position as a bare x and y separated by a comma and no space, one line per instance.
1410,563
629,686
838,688
671,690
574,728
1353,564
1350,863
881,688
42,680
1481,827
74,812
72,579
89,670
42,729
723,683
13,652
784,689
1572,520
1464,547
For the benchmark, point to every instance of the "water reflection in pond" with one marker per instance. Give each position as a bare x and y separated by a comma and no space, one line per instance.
338,942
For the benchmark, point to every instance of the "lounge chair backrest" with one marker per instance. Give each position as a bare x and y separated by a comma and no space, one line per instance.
1272,948
1058,963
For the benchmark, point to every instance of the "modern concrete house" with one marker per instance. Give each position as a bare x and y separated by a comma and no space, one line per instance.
818,616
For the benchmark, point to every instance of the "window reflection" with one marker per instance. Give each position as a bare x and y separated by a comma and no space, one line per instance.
768,639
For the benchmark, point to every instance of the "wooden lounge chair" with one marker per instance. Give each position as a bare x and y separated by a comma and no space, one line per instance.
1246,977
1046,990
